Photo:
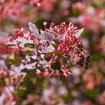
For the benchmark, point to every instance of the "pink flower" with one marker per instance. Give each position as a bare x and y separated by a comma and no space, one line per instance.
26,35
47,5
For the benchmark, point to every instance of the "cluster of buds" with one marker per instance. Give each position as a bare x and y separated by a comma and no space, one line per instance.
89,17
63,73
80,6
5,49
60,44
17,12
84,62
46,54
8,8
20,33
69,46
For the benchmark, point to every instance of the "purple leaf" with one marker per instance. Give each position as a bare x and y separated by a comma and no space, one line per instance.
47,36
79,33
33,28
53,32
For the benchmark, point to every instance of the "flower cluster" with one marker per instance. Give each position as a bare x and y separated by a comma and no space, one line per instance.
20,33
60,45
46,53
5,49
80,6
16,9
69,47
91,18
49,66
9,8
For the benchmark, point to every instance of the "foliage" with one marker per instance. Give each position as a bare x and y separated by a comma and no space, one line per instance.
45,63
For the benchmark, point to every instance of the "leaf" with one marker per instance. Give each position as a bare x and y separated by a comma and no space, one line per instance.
55,33
79,33
56,41
64,60
2,83
33,28
11,44
29,45
59,39
46,43
56,66
47,36
13,59
47,50
33,60
25,88
29,53
25,70
73,57
68,56
41,68
50,53
48,58
54,45
61,54
22,40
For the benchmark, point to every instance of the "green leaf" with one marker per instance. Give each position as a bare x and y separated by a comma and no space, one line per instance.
29,45
61,55
57,42
56,66
53,45
25,88
66,58
2,83
50,53
48,44
29,53
73,57
13,59
11,44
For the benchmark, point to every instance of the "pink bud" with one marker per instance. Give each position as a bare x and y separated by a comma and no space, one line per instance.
44,23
